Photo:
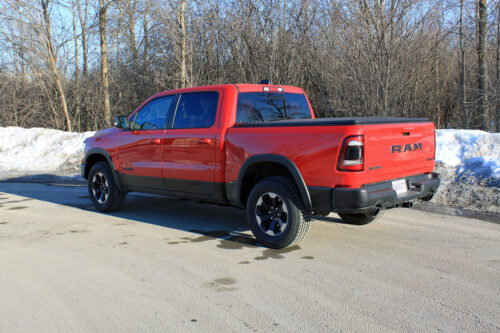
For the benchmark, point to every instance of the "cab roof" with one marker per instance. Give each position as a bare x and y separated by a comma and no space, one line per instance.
241,87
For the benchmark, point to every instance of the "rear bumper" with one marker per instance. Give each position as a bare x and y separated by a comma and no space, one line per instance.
379,195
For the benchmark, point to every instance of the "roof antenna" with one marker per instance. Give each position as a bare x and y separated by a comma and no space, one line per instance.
265,81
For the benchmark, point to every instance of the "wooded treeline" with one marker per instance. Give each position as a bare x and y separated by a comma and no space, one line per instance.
75,64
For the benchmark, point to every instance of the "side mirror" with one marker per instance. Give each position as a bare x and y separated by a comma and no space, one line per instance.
121,122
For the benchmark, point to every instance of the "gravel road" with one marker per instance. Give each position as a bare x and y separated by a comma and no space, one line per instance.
174,265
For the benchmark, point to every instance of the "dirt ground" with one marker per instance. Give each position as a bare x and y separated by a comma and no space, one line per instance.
175,265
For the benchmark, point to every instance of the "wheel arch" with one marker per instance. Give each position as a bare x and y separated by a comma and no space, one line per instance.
261,166
96,155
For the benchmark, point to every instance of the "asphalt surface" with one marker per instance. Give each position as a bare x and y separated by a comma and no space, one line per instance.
172,265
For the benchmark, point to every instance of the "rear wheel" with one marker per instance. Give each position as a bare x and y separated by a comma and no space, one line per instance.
361,218
276,213
103,191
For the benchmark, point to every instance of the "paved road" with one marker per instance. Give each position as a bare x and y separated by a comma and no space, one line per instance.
174,265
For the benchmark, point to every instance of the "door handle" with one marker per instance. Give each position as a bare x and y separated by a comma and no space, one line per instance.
204,141
155,141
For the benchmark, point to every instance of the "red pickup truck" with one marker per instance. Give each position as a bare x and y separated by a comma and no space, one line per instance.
260,147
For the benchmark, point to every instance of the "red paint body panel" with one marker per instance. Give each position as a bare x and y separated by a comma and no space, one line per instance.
216,154
105,139
313,150
378,142
190,154
140,152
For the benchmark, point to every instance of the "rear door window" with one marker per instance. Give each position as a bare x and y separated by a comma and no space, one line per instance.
255,107
196,110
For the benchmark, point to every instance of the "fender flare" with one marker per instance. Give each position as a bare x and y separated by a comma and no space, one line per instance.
105,154
234,189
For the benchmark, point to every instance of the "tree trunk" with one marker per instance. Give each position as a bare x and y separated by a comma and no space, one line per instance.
482,78
498,68
145,25
145,60
182,26
462,65
52,60
85,69
118,32
131,34
104,60
77,71
14,106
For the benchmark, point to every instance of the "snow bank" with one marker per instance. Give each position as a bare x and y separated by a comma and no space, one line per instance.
469,164
470,152
39,151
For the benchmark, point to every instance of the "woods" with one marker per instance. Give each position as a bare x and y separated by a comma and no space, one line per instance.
75,64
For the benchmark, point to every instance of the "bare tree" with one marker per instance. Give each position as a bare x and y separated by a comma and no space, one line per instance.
462,65
103,21
498,69
77,68
82,18
52,60
354,58
132,43
182,42
145,27
482,77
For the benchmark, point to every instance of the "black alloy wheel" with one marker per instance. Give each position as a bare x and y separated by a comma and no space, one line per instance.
271,214
276,213
100,187
103,191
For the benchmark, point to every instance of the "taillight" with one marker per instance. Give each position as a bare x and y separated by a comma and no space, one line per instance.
351,156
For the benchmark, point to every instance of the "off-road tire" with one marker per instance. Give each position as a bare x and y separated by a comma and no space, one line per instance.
360,218
114,198
283,194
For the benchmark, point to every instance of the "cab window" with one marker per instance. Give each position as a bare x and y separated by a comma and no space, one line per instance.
196,110
153,115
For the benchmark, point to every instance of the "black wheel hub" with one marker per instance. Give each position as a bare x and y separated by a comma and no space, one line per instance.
100,187
271,214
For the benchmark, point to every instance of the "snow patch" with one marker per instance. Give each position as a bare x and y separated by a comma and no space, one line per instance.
40,151
469,164
472,151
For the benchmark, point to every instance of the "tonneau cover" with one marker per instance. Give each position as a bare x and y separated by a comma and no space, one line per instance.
336,121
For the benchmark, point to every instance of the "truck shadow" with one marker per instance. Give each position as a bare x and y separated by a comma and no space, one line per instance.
210,221
333,219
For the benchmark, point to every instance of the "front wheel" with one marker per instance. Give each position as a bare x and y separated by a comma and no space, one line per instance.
361,218
103,191
276,213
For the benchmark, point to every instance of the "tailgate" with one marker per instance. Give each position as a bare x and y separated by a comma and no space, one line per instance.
397,150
